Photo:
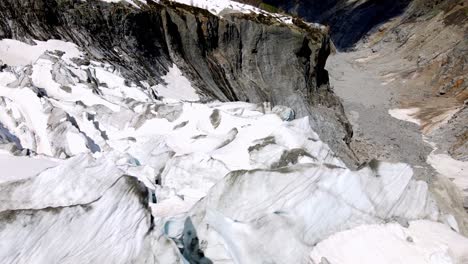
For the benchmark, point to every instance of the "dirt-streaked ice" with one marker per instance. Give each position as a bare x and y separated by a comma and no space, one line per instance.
134,179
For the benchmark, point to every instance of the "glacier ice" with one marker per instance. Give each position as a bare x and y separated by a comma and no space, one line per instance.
121,177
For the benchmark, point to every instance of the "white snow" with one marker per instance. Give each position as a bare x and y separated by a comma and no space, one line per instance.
424,242
248,180
15,168
214,6
176,86
407,115
210,152
222,7
93,214
128,1
116,85
301,205
30,106
42,77
76,143
217,6
17,53
455,170
427,126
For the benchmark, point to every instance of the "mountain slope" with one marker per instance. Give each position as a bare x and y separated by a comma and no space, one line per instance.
406,58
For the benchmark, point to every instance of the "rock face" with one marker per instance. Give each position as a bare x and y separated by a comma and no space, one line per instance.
242,57
417,51
349,21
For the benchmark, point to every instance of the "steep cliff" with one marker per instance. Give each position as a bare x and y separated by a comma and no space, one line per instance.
422,43
409,59
349,20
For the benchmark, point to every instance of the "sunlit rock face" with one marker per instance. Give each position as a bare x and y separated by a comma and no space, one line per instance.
100,168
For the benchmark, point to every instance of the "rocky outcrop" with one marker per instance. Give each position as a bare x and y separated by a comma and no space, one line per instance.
349,20
241,57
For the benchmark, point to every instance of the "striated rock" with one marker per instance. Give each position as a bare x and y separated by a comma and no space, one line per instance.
349,22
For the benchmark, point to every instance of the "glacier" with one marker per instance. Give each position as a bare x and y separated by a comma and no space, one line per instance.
98,171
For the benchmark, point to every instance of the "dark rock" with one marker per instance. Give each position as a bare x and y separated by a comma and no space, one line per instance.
291,157
3,66
349,21
215,118
262,143
191,247
324,260
180,125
